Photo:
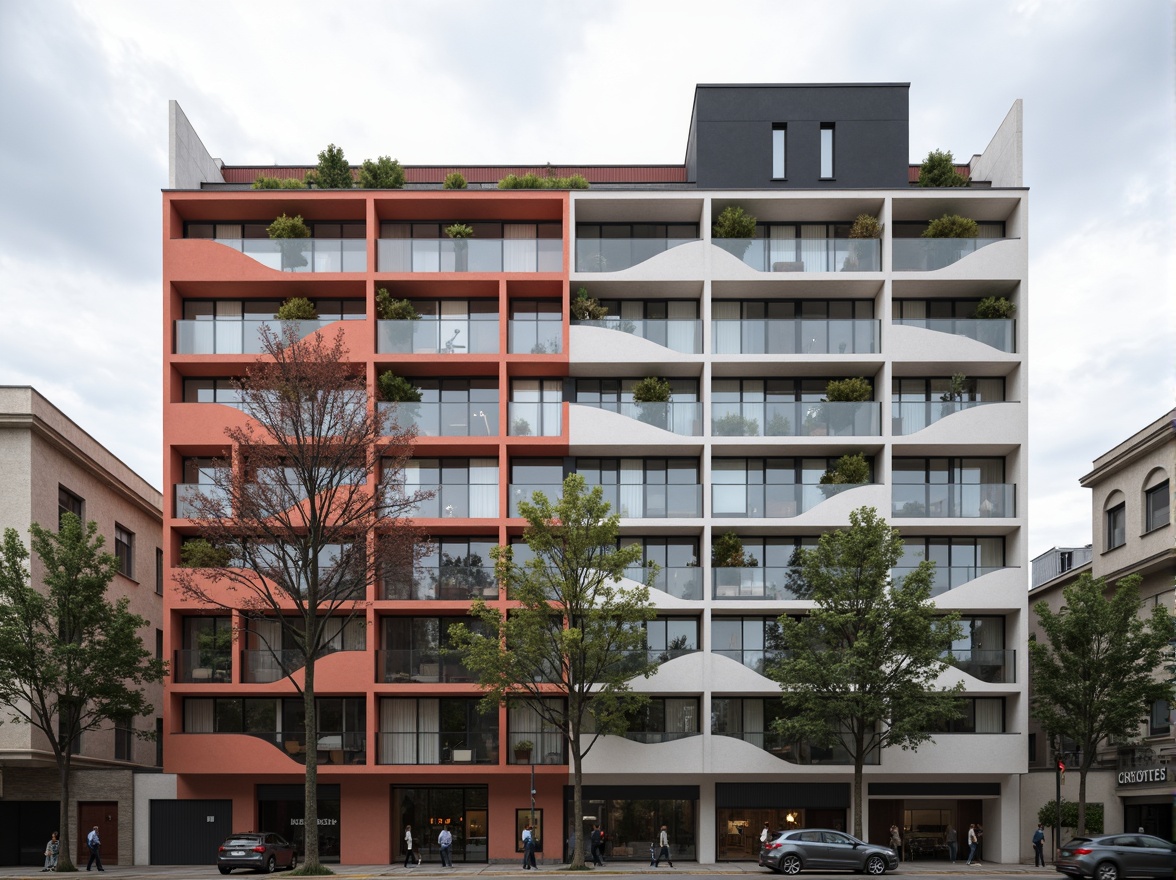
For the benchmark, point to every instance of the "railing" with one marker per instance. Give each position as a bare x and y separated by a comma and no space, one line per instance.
637,501
446,419
535,337
806,254
458,500
237,336
752,583
1000,333
684,582
997,666
535,419
677,334
331,747
407,665
438,336
757,660
796,336
924,254
649,737
470,254
963,500
304,254
799,753
615,254
796,419
771,501
261,666
548,747
458,747
909,417
948,577
440,583
186,495
632,661
196,666
683,418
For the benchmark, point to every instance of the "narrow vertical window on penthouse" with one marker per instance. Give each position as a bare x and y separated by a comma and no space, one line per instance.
779,141
826,150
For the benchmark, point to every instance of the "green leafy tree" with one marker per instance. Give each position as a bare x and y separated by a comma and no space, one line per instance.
384,173
574,632
938,169
1096,669
587,308
333,172
71,660
264,182
855,390
859,670
1048,816
309,504
995,308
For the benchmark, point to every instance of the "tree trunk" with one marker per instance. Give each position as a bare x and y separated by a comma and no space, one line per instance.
1081,829
859,757
65,854
310,792
577,805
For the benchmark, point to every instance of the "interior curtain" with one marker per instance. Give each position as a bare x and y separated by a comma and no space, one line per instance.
727,315
682,329
395,247
265,637
484,487
681,715
519,247
989,715
781,245
398,717
753,722
428,727
632,487
198,715
813,248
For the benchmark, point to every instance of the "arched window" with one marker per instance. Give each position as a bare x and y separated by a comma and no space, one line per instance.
1157,500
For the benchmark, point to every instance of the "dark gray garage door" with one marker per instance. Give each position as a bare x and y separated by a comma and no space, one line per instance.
188,832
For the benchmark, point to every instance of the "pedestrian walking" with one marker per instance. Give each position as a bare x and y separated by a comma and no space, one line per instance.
972,844
953,843
765,836
663,852
445,843
1039,846
896,841
411,859
597,840
95,845
529,848
52,850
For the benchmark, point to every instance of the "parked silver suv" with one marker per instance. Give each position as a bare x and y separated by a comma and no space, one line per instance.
1118,856
822,849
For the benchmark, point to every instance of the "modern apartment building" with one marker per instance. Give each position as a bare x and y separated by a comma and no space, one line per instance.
1132,532
516,394
48,466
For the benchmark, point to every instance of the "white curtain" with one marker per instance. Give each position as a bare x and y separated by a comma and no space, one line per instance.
681,715
782,245
753,722
519,247
345,635
728,333
395,247
428,725
228,231
812,248
265,636
398,717
484,487
229,330
198,716
682,329
989,715
632,487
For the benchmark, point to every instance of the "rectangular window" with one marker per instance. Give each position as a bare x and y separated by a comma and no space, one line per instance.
779,141
1159,719
1117,526
1033,748
124,739
124,550
826,150
158,571
158,742
1156,507
68,502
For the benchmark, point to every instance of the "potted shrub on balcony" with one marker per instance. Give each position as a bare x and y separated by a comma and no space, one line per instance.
454,180
652,396
200,553
522,751
459,232
586,308
727,553
861,254
855,390
384,173
733,230
297,308
389,308
403,394
995,308
288,230
956,392
949,226
851,469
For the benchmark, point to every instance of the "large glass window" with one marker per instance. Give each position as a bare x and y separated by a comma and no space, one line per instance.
632,824
1156,503
1117,526
751,641
979,715
461,809
465,487
536,327
794,326
435,730
678,573
958,559
418,649
951,487
768,487
663,719
207,652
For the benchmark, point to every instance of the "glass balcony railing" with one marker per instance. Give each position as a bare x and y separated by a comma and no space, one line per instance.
470,254
796,336
806,254
430,665
535,337
948,577
798,753
451,747
771,501
236,336
547,747
680,335
683,418
261,666
925,254
752,583
796,419
757,660
438,336
445,419
458,501
950,500
615,254
909,417
196,666
187,498
1000,333
535,419
997,666
638,501
304,254
440,582
683,582
331,747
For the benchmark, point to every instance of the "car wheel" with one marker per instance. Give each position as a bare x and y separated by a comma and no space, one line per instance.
875,865
271,865
790,864
223,869
293,861
1106,871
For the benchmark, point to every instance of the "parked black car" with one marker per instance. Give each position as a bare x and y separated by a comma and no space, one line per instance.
1118,856
260,851
822,849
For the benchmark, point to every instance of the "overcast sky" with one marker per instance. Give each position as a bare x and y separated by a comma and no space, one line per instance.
84,88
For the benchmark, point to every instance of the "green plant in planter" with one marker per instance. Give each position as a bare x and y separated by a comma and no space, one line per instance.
289,230
865,226
297,308
995,308
735,425
938,169
333,172
459,232
389,308
727,552
264,182
652,389
585,307
200,553
454,180
851,469
733,222
534,181
384,173
397,389
520,427
855,390
952,226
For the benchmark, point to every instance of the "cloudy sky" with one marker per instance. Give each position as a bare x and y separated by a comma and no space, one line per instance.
84,88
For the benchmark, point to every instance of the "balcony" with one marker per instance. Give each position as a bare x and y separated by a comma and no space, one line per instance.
617,254
771,501
263,666
769,584
433,665
458,747
796,419
637,501
187,497
237,337
683,582
332,747
548,747
910,417
796,336
680,335
684,419
536,419
470,254
195,666
1000,333
441,583
799,753
458,501
806,254
445,419
928,254
304,254
438,336
948,577
953,500
992,665
535,337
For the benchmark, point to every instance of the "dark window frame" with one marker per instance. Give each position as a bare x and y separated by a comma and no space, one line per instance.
1155,516
124,550
1116,525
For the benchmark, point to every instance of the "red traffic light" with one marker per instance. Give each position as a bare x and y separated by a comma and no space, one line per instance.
1061,766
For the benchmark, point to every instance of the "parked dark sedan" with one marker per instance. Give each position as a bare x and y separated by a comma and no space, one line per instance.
822,849
258,850
1118,856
